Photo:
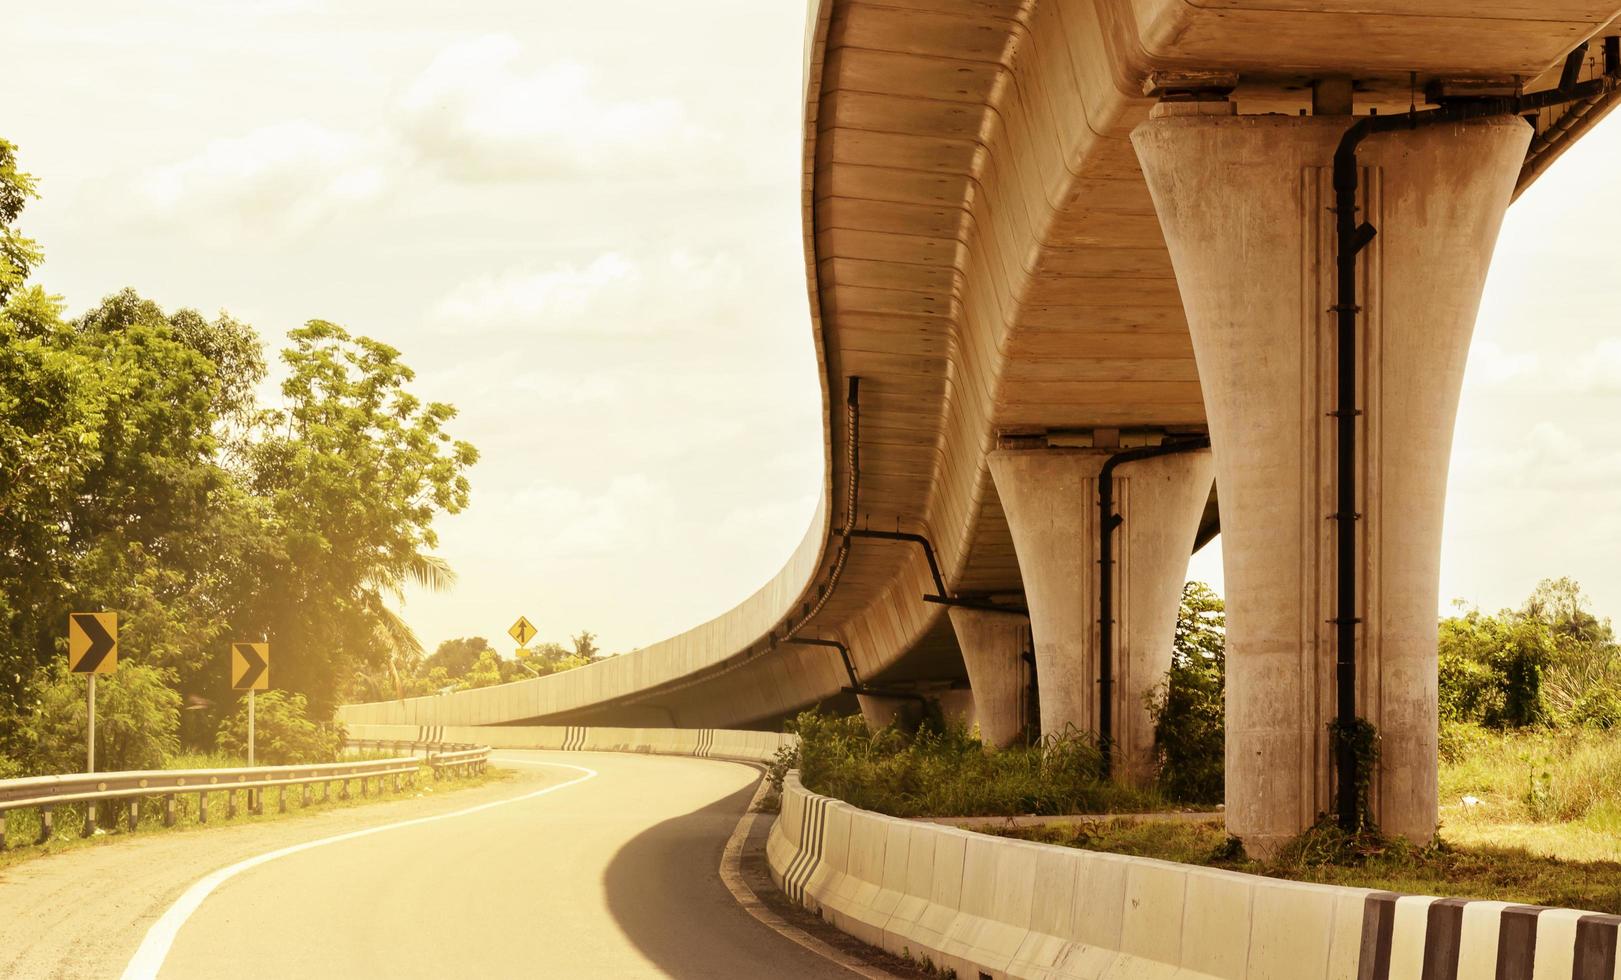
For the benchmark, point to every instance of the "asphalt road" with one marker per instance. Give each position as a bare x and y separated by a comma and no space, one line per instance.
554,873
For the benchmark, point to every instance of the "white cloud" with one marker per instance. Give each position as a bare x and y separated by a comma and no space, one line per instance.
285,178
1546,458
611,296
573,522
1599,373
1490,366
482,115
563,293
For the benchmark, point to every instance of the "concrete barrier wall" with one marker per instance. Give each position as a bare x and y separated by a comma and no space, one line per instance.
1003,908
704,743
680,656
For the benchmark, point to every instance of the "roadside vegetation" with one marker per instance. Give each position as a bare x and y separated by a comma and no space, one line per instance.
1530,774
945,770
143,471
471,662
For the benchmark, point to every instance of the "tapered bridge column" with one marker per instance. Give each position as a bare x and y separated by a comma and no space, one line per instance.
1244,202
1050,497
993,644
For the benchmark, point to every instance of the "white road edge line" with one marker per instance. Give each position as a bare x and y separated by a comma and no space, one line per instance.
731,872
154,949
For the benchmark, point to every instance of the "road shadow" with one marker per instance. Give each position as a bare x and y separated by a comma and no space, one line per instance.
664,891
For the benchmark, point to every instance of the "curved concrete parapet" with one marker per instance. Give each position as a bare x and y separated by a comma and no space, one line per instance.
995,907
703,743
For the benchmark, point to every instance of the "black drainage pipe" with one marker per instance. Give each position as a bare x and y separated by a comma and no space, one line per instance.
844,655
1351,237
1108,521
917,539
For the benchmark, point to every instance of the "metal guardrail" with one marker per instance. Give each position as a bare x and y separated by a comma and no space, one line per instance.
46,793
439,755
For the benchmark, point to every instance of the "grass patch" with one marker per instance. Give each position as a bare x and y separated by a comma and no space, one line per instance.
1540,827
1553,793
1324,855
951,773
23,826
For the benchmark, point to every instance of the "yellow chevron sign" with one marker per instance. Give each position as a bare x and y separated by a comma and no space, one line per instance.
93,643
250,666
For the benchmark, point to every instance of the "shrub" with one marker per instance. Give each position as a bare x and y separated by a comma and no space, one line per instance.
1550,662
1596,708
283,733
949,772
1189,711
137,721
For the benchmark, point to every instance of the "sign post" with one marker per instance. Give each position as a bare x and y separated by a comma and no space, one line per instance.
92,649
250,671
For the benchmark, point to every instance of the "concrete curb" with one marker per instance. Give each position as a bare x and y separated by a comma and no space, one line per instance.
1000,908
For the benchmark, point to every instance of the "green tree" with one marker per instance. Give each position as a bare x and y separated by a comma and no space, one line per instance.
18,255
1190,710
118,498
488,671
457,657
354,469
138,474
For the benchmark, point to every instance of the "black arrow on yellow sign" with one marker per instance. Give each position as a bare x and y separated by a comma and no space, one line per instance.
250,666
92,643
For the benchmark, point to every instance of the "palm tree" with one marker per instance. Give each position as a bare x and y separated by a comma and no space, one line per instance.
393,634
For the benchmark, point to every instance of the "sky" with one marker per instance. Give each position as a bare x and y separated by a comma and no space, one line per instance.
580,224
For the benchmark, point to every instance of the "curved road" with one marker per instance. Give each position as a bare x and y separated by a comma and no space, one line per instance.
550,873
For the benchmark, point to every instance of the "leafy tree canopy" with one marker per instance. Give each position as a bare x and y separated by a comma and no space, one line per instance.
139,473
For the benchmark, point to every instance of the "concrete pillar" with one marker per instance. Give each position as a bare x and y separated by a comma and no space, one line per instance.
1051,500
1244,204
1160,501
992,646
956,706
880,711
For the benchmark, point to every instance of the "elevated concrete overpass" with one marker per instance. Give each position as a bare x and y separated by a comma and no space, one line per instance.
1044,234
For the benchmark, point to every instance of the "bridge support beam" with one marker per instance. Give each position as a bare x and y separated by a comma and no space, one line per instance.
1244,202
1050,497
992,646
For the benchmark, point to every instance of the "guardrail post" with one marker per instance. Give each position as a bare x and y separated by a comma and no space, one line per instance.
230,803
89,828
363,790
134,813
343,794
2,830
168,810
281,801
44,825
326,790
202,806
